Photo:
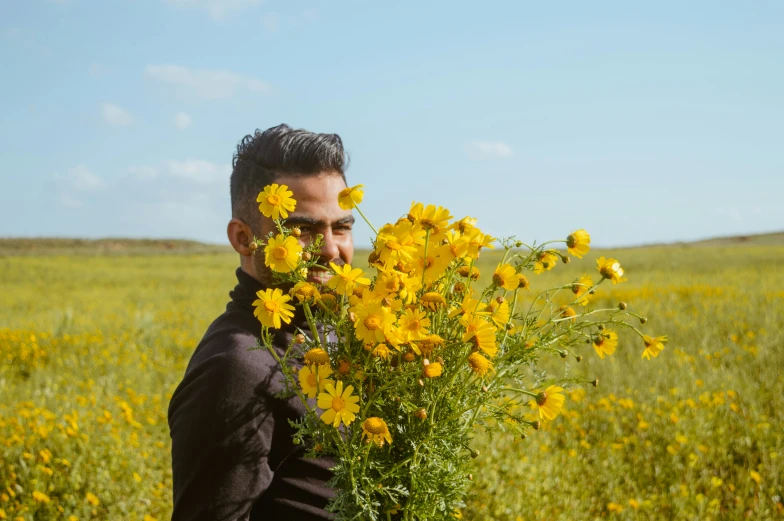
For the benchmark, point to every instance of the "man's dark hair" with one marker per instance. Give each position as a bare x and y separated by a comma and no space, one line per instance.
280,151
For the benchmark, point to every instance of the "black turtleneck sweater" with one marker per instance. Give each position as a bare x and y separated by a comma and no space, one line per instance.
232,452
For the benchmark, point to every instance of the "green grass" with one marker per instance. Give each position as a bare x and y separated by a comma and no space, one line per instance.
92,345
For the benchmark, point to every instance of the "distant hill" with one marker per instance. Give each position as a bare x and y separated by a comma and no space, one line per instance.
54,246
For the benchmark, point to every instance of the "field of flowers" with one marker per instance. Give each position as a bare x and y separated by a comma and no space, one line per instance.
92,347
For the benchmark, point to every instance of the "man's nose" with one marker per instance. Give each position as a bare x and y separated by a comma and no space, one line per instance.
329,250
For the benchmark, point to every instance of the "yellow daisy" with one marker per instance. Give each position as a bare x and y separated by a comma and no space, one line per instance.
349,198
346,279
433,301
430,217
339,405
577,243
282,254
413,325
549,402
271,307
479,364
545,262
398,242
580,289
317,356
305,292
313,379
610,269
433,370
276,201
505,276
375,429
605,343
373,321
479,332
653,346
499,313
381,351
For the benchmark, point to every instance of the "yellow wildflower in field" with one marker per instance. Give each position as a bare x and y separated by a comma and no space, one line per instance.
271,307
276,201
92,499
349,198
545,262
610,269
282,254
605,343
433,370
346,279
431,218
314,379
373,322
317,356
549,402
413,325
499,313
653,346
522,282
580,289
381,351
375,430
40,497
754,475
505,276
577,243
339,405
305,292
480,332
479,364
614,507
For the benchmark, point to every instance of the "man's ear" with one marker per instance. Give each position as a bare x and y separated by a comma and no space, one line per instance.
240,235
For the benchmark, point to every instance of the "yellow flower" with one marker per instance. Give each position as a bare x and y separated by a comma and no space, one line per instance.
469,271
634,503
566,312
458,244
339,405
433,370
499,313
479,364
276,201
434,264
282,254
40,497
545,262
522,282
375,429
580,289
346,279
381,351
653,346
305,292
373,321
92,499
614,507
505,276
610,269
577,243
271,307
413,325
313,379
433,301
479,332
605,343
753,474
349,198
430,217
317,356
476,241
549,402
398,242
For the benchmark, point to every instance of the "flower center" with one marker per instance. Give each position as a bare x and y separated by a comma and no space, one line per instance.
571,241
413,325
273,199
541,398
270,306
372,322
375,426
280,252
393,245
312,379
338,404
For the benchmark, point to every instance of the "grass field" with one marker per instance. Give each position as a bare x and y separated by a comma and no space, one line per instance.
94,340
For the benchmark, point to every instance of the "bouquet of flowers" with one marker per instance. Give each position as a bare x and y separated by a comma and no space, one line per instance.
421,355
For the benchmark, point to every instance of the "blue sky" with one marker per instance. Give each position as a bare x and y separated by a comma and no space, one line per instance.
641,122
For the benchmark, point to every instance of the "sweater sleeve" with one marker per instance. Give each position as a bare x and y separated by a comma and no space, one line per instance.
221,425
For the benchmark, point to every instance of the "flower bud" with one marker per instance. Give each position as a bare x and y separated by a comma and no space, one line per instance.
440,360
421,413
595,382
500,299
319,237
299,338
421,383
470,477
318,448
579,358
536,425
306,256
296,232
459,287
352,316
563,354
622,306
518,244
253,246
600,327
474,453
484,388
643,320
566,259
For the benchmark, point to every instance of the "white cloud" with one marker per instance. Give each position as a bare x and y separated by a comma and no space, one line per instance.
143,171
116,115
80,179
182,120
205,84
217,9
198,170
489,149
270,21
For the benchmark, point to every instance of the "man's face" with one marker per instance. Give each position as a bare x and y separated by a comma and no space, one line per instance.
317,212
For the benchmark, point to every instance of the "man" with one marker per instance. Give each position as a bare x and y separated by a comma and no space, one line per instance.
232,453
